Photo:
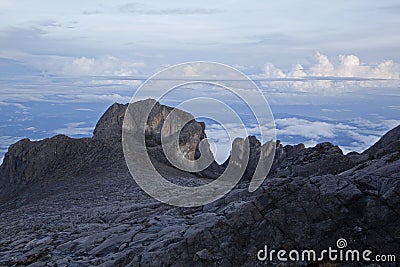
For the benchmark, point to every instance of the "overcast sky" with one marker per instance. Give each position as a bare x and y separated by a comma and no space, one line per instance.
244,33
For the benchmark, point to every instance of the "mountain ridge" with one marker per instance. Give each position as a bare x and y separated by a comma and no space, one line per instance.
84,208
26,160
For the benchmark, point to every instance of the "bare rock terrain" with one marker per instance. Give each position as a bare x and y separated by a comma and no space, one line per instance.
73,202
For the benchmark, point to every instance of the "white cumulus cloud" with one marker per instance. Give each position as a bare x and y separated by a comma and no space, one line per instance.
106,65
304,128
345,71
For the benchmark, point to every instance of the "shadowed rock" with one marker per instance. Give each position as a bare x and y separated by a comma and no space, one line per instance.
324,158
81,207
109,126
28,161
389,143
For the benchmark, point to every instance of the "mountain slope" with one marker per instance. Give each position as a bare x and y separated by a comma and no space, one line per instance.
75,204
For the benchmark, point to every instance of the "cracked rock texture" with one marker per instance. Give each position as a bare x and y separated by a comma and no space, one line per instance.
72,202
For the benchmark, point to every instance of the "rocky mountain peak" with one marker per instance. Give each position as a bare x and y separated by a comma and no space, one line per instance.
28,162
109,126
75,202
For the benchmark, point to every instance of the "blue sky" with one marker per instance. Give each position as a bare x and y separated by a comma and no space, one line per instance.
256,32
330,68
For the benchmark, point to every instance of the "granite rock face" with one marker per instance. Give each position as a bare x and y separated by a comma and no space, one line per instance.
156,121
167,122
109,126
80,206
388,144
254,151
324,158
31,161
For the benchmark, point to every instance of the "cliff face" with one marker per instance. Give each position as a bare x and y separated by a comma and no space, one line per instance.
75,203
324,158
31,161
388,144
109,126
26,161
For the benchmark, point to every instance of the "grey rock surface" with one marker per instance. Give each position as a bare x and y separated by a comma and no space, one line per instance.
28,162
258,158
388,144
80,207
109,126
324,158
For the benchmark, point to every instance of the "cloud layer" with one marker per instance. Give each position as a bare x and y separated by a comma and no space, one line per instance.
75,129
106,65
341,72
135,8
352,135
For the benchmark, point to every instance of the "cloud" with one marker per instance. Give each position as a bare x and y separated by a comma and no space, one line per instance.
270,71
354,135
347,71
24,32
74,128
64,89
106,65
361,143
381,127
304,128
135,8
90,98
17,38
11,68
49,23
23,97
17,105
135,81
395,107
45,37
84,109
351,66
92,12
335,110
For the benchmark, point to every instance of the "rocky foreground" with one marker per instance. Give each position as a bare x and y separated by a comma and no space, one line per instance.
72,202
